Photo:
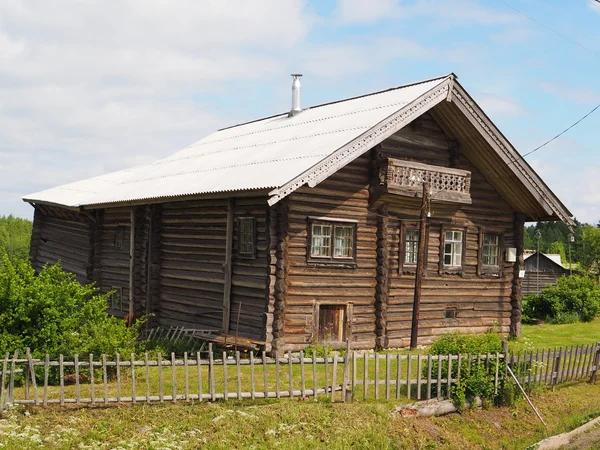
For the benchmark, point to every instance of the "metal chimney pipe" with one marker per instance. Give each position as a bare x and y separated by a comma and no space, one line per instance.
296,94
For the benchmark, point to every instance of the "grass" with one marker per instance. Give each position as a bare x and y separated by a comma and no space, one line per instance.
293,424
548,335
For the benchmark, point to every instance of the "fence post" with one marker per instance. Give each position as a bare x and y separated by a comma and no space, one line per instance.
345,391
555,369
596,362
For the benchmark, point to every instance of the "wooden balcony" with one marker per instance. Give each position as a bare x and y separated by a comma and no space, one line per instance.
406,178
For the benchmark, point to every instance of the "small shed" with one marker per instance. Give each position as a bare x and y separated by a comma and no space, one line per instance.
541,269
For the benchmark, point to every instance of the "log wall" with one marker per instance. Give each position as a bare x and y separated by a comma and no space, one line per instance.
61,235
111,268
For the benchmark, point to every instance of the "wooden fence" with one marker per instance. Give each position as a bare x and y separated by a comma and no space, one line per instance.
338,377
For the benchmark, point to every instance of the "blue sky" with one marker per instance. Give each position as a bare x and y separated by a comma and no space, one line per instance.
91,87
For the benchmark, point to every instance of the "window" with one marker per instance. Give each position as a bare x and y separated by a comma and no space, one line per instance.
246,237
332,242
453,247
451,312
116,299
332,323
119,237
411,246
489,251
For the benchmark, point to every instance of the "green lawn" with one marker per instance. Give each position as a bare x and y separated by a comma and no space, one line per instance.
547,335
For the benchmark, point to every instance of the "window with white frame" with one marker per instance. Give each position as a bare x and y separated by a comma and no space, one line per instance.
411,246
246,236
453,247
116,299
490,249
332,241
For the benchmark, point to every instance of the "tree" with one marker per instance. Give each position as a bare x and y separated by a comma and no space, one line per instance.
587,248
15,235
557,247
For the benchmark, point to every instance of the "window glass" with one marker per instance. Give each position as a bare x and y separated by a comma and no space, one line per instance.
321,240
411,248
246,236
490,249
343,242
453,248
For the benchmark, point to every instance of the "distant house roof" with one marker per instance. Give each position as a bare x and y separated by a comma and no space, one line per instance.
279,154
554,257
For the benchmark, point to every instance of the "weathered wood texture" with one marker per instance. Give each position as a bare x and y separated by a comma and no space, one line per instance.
344,195
61,235
480,301
192,257
536,277
111,269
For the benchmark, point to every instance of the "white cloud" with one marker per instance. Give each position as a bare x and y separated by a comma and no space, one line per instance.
90,87
571,93
499,105
446,12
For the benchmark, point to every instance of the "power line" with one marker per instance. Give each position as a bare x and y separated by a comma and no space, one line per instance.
561,133
551,29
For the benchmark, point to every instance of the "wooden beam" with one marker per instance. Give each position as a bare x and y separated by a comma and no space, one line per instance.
420,269
227,265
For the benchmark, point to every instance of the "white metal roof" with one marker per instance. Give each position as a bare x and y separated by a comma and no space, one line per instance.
265,154
554,257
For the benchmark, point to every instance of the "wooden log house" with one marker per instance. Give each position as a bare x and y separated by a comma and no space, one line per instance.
542,270
303,227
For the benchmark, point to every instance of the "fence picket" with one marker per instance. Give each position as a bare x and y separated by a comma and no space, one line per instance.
266,384
496,376
133,386
376,376
252,385
118,361
186,375
76,362
365,374
291,374
147,372
398,374
32,373
315,381
302,381
449,386
408,377
354,370
439,378
277,386
387,376
211,372
239,374
419,370
46,374
2,388
334,377
62,379
160,378
225,385
174,377
429,369
326,372
199,373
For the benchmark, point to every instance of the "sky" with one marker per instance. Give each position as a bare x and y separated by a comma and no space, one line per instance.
89,87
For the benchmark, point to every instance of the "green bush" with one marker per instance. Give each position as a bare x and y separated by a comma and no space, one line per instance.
477,378
574,298
15,235
52,313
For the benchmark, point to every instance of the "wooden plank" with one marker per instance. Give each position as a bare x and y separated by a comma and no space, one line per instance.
365,374
131,270
376,376
419,371
449,384
186,374
354,373
291,374
429,370
62,379
161,395
33,380
387,376
133,386
408,377
228,265
77,391
439,378
302,380
326,372
4,375
118,369
11,387
199,374
147,373
46,374
398,374
334,376
315,381
225,383
211,372
277,384
497,373
252,385
239,374
265,375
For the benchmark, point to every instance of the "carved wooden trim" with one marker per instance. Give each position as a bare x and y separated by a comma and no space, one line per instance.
364,142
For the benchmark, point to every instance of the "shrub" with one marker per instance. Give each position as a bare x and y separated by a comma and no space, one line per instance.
52,313
15,235
573,298
476,379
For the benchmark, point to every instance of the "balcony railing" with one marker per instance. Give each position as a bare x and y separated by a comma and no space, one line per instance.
407,178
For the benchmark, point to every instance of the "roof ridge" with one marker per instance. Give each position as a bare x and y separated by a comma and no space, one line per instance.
415,83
